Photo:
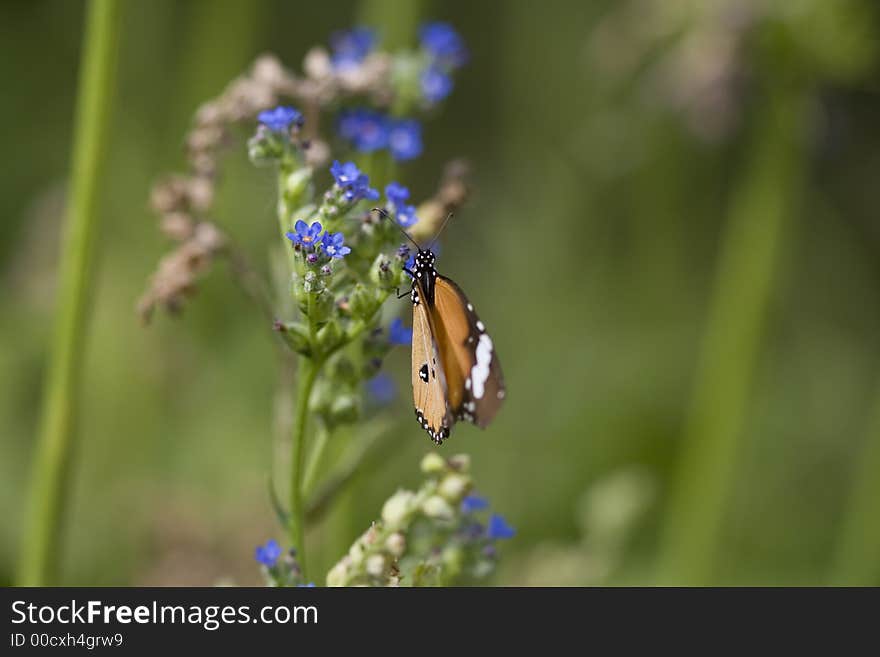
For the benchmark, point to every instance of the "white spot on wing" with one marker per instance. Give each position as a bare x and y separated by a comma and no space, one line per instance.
480,370
481,326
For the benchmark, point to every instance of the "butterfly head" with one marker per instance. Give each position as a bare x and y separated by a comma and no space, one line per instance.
424,261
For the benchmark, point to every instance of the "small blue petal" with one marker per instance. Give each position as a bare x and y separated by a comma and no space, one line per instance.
268,554
310,585
406,216
381,388
305,235
405,139
398,333
355,184
396,194
280,118
444,44
436,84
332,243
365,129
473,503
499,529
351,47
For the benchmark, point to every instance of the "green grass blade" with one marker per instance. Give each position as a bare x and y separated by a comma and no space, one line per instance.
45,510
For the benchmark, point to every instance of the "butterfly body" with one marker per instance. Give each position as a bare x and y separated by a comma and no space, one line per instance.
455,371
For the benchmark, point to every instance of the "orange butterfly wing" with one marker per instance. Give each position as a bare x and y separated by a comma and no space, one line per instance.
471,367
428,376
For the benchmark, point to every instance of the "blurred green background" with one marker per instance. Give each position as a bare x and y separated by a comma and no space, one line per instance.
674,239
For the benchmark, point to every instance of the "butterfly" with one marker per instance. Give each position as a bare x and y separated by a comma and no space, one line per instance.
456,374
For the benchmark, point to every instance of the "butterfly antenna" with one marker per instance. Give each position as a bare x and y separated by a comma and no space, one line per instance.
399,227
437,236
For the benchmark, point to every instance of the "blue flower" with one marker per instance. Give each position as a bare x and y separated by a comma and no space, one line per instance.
348,124
398,333
310,585
396,194
498,528
473,503
355,183
280,118
406,215
381,388
306,236
436,84
443,43
268,554
405,139
351,47
333,246
366,129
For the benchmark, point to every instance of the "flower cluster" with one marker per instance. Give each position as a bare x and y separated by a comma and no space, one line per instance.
343,268
353,184
427,537
368,131
312,241
445,51
354,68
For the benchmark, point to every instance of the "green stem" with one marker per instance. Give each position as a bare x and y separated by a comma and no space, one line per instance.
761,208
316,454
307,372
857,558
45,506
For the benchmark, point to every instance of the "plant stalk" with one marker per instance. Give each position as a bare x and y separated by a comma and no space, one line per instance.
307,374
857,557
40,547
761,209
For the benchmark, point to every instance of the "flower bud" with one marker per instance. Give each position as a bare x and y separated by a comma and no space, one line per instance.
264,147
322,306
295,336
398,508
436,507
309,284
344,409
433,463
296,184
356,553
382,273
396,544
460,462
375,565
362,303
454,486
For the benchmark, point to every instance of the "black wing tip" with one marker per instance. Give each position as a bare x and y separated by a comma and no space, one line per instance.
437,436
